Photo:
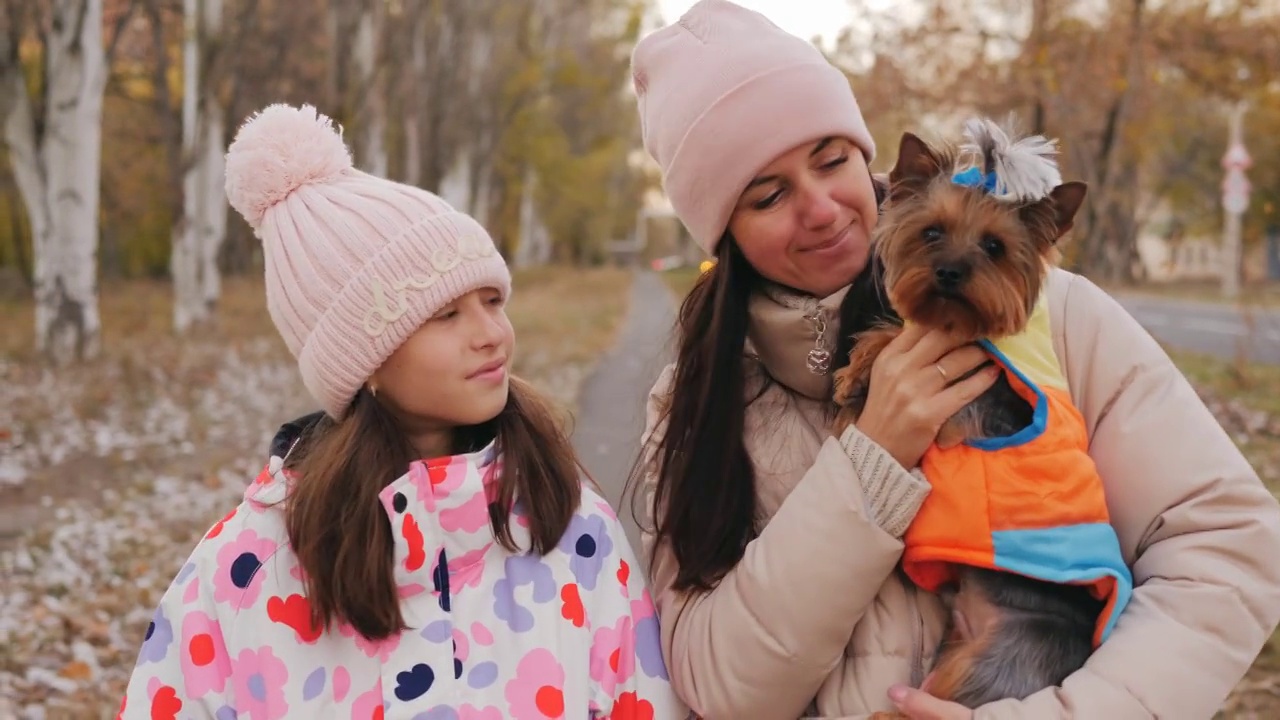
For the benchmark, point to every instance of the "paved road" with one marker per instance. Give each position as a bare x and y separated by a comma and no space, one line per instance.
1213,328
611,406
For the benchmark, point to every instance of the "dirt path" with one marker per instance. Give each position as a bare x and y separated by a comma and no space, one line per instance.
611,405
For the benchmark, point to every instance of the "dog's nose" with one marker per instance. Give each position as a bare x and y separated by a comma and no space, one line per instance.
950,275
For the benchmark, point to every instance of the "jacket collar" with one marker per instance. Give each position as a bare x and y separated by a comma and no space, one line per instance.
439,514
792,334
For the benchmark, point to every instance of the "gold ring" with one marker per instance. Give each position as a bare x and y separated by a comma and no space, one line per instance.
941,372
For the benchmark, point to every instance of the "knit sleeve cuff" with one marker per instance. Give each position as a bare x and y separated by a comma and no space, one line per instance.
893,495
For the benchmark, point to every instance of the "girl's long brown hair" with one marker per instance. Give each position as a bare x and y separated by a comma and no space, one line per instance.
340,531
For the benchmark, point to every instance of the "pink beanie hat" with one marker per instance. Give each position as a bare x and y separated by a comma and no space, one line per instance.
722,93
354,263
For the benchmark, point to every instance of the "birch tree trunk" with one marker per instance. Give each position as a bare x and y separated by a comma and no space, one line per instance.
371,123
417,106
201,229
58,174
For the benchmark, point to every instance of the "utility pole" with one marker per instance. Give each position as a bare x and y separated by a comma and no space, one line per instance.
1235,200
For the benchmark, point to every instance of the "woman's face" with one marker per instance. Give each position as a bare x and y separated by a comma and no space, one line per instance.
805,220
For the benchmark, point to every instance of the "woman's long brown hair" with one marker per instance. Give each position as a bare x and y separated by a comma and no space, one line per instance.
340,531
704,500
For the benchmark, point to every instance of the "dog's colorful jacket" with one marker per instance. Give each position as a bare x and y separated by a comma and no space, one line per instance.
1031,503
490,634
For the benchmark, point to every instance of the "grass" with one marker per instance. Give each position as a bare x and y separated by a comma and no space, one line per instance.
681,280
562,315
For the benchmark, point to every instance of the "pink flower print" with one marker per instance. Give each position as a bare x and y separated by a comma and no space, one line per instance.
481,634
341,683
467,569
192,593
468,517
368,706
613,655
237,580
461,645
468,712
260,679
438,477
297,573
537,690
381,649
397,501
489,480
204,659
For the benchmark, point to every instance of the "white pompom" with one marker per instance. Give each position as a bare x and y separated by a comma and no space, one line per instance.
277,151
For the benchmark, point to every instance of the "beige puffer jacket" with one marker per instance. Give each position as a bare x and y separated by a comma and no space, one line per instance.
816,620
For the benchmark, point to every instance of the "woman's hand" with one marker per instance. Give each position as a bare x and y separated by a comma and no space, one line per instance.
920,705
914,390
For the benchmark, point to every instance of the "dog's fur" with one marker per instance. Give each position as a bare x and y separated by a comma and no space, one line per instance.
954,257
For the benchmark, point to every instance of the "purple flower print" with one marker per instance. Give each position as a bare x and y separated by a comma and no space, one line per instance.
158,639
314,685
587,543
522,570
649,648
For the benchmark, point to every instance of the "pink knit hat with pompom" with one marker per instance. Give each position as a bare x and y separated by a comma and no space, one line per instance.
354,263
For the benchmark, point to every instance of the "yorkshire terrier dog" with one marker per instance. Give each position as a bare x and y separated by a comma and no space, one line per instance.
970,251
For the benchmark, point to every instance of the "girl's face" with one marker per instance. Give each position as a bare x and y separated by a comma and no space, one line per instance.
805,221
454,371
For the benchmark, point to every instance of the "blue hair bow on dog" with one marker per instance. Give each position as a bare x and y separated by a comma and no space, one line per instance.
975,178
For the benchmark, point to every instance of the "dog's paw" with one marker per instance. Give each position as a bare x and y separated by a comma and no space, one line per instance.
847,385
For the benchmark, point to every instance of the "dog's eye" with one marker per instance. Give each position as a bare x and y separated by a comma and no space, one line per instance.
932,234
992,246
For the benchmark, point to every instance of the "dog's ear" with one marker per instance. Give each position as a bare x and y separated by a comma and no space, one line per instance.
917,164
1067,199
1060,208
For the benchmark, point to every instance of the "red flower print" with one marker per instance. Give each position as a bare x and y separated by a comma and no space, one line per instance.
624,578
295,612
216,530
264,477
573,610
165,704
629,707
417,551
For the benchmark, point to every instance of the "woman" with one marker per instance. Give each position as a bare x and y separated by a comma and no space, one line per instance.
775,546
426,549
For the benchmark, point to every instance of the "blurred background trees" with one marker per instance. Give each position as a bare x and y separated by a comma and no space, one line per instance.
116,114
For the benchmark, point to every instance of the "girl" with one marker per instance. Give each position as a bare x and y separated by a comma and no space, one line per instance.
775,545
426,549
